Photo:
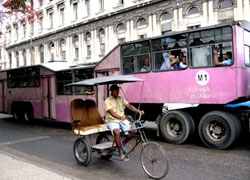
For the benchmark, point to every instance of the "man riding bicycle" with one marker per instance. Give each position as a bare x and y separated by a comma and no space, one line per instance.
115,117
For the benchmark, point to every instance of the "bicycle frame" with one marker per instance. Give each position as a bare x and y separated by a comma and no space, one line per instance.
141,138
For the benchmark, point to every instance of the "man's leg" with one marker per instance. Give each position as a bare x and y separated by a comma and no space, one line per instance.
118,140
129,137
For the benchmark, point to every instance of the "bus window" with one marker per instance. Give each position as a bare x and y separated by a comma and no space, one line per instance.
63,78
211,48
24,77
135,57
129,65
169,52
82,74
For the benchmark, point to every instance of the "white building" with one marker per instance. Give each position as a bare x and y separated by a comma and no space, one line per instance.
83,31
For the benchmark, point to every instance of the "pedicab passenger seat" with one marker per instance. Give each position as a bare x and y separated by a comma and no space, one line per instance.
86,118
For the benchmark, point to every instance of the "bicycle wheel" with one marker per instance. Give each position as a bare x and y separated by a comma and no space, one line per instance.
82,151
102,138
154,160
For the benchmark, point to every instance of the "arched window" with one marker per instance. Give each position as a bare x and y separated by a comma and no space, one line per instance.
193,10
32,51
88,36
225,3
76,48
121,28
10,60
165,17
24,58
141,22
51,50
41,50
62,47
17,59
101,33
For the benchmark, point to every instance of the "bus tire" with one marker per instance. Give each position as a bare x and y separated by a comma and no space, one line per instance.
219,129
16,112
28,113
177,126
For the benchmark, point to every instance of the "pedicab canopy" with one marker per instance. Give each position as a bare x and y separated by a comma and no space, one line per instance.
106,80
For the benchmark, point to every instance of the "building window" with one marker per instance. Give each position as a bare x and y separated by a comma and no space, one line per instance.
225,3
101,4
75,10
40,21
17,59
76,47
32,50
23,28
63,50
120,2
87,3
41,50
88,50
61,15
51,50
88,36
50,20
16,31
193,10
24,58
143,36
166,23
141,22
121,28
193,18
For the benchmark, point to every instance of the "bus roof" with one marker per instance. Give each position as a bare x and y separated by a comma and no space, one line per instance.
58,66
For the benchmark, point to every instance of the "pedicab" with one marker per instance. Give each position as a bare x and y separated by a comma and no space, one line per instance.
87,121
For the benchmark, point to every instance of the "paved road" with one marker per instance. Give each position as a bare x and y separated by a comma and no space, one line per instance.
50,147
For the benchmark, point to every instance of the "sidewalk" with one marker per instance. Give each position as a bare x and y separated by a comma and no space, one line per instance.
13,168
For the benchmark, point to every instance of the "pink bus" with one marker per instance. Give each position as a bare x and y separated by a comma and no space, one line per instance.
189,77
39,91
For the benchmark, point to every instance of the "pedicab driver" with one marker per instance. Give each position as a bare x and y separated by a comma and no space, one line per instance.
114,107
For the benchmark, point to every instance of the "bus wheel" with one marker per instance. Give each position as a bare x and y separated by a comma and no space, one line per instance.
218,129
176,126
28,114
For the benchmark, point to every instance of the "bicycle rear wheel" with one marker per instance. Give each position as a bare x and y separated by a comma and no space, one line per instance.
154,160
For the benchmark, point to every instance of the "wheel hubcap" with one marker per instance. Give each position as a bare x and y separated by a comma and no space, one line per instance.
174,128
216,130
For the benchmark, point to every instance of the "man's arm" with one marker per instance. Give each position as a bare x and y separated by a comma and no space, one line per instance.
132,108
115,115
216,59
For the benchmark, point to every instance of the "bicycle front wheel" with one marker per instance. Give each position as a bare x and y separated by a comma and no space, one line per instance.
154,160
82,151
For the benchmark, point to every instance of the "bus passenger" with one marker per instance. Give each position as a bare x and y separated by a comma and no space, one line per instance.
115,117
183,63
166,63
145,66
227,59
174,62
200,54
130,69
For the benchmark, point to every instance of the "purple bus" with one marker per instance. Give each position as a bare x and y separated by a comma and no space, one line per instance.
189,77
39,91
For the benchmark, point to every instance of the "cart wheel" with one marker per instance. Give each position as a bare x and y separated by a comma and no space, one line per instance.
82,151
154,160
102,138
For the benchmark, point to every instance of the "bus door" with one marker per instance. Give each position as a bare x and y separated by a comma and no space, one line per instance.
1,96
49,91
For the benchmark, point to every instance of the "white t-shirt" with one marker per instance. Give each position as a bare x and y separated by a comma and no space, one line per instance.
200,56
